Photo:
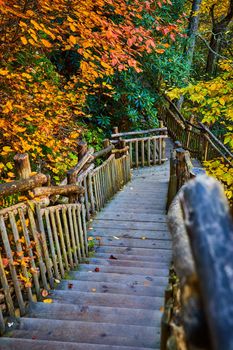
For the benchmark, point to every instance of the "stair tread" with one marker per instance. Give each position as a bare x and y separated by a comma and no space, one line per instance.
107,299
96,314
128,270
35,344
96,333
133,288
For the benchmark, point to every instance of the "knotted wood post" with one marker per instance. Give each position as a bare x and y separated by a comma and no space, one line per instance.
210,227
172,188
22,165
82,149
163,142
181,169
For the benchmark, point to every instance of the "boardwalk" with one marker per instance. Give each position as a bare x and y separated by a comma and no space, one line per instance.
114,300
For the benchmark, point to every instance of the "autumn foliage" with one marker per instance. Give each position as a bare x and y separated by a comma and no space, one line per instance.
41,105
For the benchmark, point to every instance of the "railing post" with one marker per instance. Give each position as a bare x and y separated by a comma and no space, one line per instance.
82,149
163,142
22,165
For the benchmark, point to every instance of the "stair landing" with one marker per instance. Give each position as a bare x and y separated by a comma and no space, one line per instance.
114,301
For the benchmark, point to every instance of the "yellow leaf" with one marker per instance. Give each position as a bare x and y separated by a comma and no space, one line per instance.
10,174
4,71
46,43
72,27
72,39
48,301
24,40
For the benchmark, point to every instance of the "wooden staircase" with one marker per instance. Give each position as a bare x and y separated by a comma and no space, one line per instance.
114,300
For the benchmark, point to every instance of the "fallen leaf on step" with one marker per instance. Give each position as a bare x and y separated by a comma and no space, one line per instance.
161,309
57,281
93,290
48,301
116,237
143,237
90,238
112,257
44,293
146,283
97,269
70,285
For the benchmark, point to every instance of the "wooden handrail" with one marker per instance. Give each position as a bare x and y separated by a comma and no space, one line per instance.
140,132
210,230
199,140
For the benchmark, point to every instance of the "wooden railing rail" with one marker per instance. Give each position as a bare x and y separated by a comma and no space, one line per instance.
40,243
144,150
197,139
202,234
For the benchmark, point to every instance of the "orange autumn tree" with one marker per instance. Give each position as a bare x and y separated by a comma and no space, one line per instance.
40,108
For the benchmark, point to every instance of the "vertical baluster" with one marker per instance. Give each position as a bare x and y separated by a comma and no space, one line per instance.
160,150
148,152
90,190
20,251
51,242
38,248
84,225
60,234
67,237
6,289
97,206
80,229
142,153
136,152
13,272
86,197
30,252
57,243
71,225
154,151
76,232
131,153
48,261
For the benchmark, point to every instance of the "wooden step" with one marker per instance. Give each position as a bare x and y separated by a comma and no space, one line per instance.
158,258
91,313
131,288
107,299
160,253
131,225
114,261
128,233
118,278
29,344
96,333
122,215
135,243
124,270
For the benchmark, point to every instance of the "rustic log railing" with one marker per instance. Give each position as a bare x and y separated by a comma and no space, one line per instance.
198,310
42,240
196,138
146,148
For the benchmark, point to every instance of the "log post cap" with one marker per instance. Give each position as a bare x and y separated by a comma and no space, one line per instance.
106,143
115,130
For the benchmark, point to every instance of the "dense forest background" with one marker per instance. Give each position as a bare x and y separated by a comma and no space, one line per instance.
72,70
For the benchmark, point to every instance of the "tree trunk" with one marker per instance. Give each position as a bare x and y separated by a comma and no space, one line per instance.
192,30
218,31
191,41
